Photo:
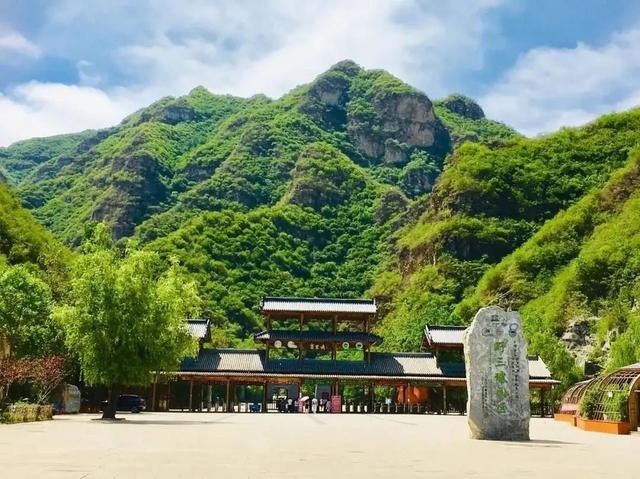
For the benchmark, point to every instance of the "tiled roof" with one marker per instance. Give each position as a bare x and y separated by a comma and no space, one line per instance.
319,305
198,328
392,365
444,334
537,368
319,336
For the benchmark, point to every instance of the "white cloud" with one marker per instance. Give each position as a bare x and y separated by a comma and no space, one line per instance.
272,48
13,43
42,109
550,87
87,73
154,48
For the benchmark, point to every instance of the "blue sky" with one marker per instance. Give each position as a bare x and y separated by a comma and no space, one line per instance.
68,65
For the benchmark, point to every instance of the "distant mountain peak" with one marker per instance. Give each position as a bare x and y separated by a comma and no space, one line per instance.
346,66
463,106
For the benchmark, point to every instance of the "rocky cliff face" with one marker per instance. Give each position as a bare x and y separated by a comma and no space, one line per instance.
401,123
136,183
206,152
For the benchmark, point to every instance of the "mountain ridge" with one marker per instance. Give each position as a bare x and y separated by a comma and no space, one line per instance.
358,184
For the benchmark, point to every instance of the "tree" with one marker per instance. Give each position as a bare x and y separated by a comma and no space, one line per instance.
126,318
25,313
46,374
11,371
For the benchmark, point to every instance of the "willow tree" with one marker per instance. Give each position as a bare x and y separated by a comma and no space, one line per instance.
126,318
25,314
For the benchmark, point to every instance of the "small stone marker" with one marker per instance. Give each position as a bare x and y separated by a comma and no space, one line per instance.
497,376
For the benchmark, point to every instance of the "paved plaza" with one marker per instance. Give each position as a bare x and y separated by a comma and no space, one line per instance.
171,445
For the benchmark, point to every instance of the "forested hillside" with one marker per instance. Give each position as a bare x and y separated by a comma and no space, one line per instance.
256,196
488,202
205,152
578,277
23,241
33,274
357,184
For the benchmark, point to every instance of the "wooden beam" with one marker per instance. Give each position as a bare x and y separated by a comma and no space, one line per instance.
191,396
228,395
300,342
153,397
168,394
371,391
265,399
444,399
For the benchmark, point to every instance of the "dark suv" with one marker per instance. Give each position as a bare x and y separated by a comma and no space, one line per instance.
129,402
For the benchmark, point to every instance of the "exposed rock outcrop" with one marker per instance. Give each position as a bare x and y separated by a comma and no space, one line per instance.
392,203
135,184
463,106
327,97
579,338
407,118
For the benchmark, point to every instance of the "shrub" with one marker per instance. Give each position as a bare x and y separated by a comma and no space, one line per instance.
616,404
589,404
25,412
612,400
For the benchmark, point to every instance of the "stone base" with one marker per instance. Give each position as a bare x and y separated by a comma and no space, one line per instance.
506,431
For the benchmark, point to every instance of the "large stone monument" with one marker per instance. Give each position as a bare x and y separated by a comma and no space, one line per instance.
497,376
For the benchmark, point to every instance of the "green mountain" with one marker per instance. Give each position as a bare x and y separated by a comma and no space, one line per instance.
205,152
500,217
289,196
24,241
578,277
357,183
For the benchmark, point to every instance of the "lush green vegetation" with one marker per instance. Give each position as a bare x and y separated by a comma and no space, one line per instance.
466,121
350,185
492,199
290,196
321,239
125,317
583,263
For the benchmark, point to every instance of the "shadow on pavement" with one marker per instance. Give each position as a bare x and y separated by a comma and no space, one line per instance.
539,443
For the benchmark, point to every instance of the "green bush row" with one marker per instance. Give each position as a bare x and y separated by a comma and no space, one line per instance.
24,412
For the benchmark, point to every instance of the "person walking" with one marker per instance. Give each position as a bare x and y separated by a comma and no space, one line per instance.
314,405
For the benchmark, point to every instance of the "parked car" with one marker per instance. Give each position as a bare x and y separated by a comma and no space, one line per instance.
129,402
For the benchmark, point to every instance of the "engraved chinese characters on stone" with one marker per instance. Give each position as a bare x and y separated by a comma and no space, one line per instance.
497,376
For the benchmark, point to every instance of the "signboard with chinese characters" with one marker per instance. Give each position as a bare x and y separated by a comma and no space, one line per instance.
336,403
319,347
497,376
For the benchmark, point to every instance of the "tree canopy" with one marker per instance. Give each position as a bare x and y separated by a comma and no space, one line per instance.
126,318
25,313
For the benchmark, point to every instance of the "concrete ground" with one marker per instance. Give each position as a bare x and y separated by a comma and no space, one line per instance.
171,445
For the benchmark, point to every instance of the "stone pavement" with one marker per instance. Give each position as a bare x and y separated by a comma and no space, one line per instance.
172,445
